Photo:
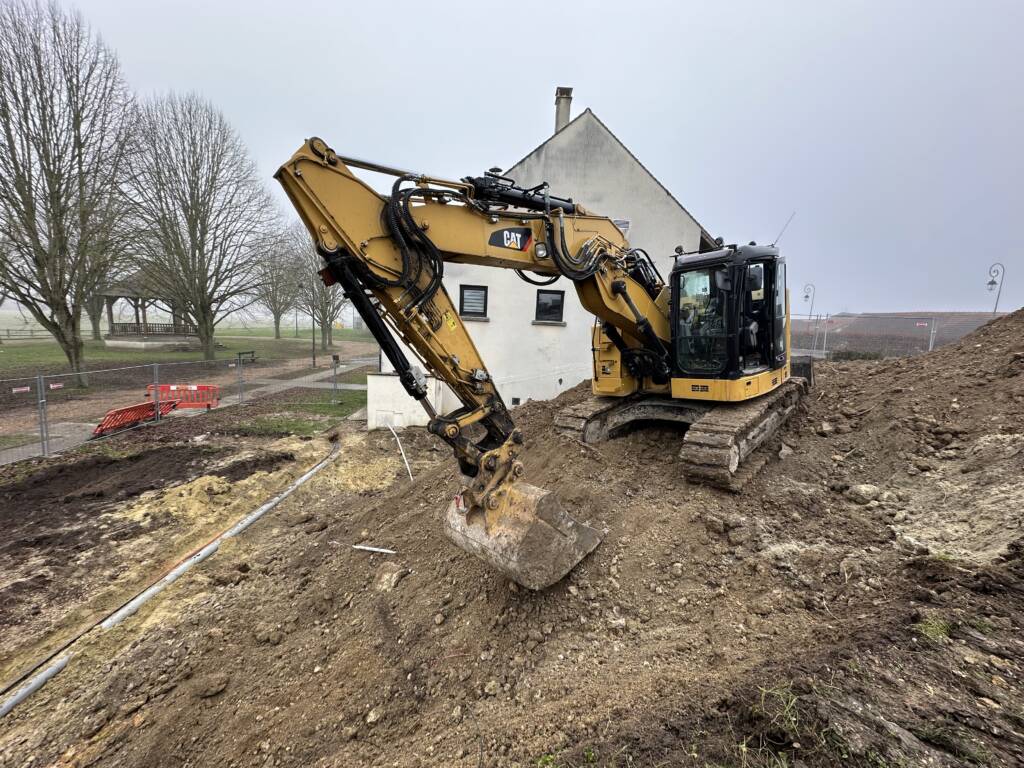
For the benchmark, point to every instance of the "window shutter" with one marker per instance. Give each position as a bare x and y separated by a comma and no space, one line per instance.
473,300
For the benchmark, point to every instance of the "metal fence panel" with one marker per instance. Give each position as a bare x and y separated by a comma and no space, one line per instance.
22,428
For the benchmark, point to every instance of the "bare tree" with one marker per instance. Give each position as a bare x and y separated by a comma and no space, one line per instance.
278,278
322,303
66,117
203,217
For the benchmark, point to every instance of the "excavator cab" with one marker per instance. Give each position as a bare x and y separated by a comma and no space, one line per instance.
729,317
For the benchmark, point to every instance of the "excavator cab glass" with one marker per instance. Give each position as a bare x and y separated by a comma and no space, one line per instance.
702,327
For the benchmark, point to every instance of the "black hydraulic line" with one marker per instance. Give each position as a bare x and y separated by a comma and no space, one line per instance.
526,278
426,246
341,271
558,256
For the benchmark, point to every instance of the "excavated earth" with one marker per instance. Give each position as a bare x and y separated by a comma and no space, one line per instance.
860,603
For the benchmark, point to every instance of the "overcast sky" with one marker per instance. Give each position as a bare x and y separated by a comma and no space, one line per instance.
894,129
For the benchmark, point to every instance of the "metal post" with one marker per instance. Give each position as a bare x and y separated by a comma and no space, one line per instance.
241,380
44,437
824,343
932,330
334,363
156,391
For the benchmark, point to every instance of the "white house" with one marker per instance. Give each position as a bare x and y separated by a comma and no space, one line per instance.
536,341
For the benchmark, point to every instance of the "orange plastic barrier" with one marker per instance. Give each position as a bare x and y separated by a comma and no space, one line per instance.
188,395
123,418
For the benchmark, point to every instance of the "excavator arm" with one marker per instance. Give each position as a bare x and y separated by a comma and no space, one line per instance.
388,255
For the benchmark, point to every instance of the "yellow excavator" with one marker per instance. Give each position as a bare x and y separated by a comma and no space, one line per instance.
709,349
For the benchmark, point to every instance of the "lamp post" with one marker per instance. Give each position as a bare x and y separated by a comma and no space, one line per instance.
996,274
809,296
809,291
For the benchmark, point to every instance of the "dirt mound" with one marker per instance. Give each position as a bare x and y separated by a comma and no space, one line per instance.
950,425
822,616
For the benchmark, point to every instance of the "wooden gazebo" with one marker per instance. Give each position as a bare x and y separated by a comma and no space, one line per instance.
141,294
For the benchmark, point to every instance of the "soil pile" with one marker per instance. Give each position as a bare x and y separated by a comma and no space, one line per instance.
861,601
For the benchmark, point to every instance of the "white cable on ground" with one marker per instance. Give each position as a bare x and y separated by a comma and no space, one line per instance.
400,448
133,605
34,684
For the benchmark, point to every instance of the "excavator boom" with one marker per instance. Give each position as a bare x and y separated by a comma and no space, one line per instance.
388,256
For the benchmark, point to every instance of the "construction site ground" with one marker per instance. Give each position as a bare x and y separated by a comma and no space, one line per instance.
861,602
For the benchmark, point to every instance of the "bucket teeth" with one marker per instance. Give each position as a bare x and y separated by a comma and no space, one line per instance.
529,537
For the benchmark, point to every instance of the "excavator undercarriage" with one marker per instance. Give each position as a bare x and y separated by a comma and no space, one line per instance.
723,445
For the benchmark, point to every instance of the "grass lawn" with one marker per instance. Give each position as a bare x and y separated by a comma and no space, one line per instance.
31,357
324,411
358,376
321,403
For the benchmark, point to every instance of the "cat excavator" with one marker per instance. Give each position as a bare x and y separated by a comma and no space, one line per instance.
709,349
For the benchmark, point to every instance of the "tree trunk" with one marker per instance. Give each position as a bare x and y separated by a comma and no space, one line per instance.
323,337
94,321
204,326
330,334
277,326
68,336
73,351
94,308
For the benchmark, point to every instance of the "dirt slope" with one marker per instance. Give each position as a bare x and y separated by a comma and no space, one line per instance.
860,603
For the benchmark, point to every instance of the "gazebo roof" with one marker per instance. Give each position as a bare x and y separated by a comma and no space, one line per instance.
138,285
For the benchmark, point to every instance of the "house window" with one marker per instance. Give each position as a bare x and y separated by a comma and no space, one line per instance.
549,306
473,300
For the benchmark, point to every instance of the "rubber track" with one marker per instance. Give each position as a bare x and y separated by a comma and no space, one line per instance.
722,447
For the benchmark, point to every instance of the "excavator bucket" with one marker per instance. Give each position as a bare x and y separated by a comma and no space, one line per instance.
529,537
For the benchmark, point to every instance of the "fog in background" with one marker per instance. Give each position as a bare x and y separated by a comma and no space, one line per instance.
894,129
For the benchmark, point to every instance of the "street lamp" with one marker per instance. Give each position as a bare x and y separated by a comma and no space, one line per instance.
809,296
996,274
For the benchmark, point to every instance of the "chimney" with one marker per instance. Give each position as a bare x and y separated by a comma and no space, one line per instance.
563,100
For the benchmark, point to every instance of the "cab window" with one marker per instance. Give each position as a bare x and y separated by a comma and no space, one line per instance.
702,332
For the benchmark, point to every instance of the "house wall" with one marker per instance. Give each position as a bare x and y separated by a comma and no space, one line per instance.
538,361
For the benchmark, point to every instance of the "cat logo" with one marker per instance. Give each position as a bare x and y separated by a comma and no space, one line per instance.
516,238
